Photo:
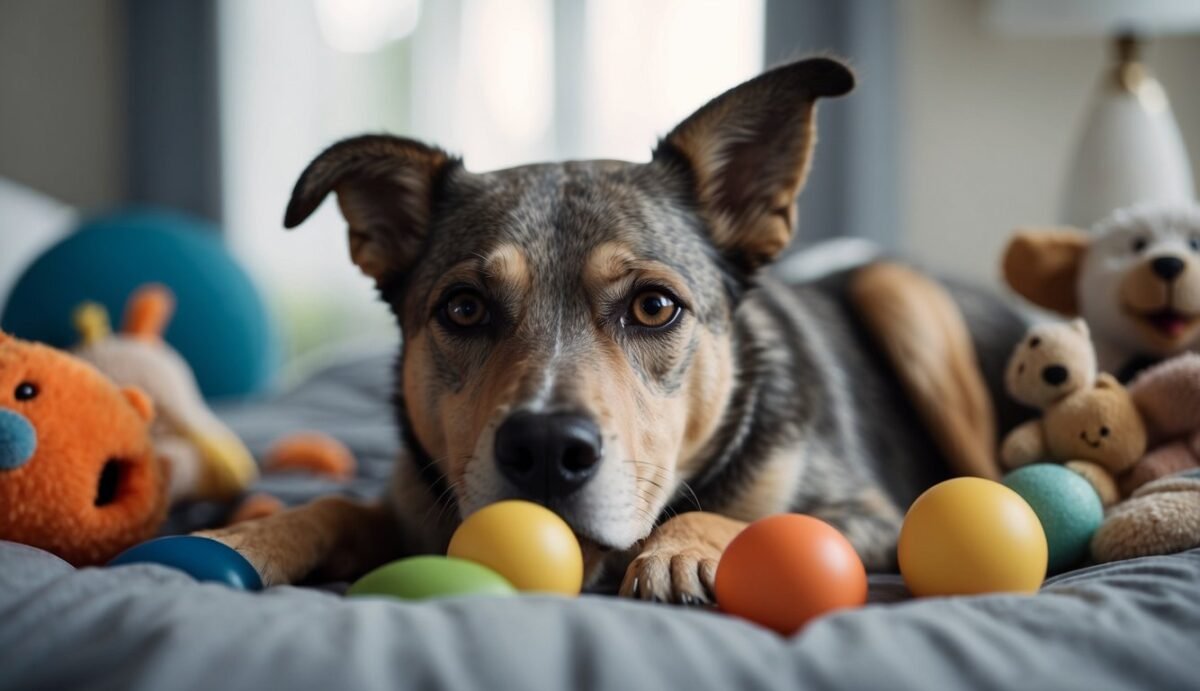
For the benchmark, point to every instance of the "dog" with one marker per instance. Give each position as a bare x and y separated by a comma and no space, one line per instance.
1135,278
603,338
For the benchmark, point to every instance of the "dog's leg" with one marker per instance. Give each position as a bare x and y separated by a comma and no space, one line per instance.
678,562
920,328
332,538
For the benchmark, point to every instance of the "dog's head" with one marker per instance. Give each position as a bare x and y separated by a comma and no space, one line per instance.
1135,278
567,326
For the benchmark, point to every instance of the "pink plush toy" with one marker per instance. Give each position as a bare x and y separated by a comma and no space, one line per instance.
1168,396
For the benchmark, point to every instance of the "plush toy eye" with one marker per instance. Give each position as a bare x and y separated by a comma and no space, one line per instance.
1194,243
25,391
1104,431
654,309
1035,342
466,309
1138,245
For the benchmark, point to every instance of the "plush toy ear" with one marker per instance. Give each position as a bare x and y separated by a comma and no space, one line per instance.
1042,265
385,188
1080,326
749,151
148,311
140,402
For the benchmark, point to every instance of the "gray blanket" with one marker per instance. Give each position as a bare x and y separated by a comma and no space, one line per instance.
1126,625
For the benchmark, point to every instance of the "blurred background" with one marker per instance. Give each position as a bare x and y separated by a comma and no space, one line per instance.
963,126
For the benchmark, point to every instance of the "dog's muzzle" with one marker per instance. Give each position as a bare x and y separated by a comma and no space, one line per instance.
548,456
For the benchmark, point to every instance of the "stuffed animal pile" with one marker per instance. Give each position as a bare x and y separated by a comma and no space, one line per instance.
87,467
1135,279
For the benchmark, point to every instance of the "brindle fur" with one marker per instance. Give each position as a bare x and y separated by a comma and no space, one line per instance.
770,398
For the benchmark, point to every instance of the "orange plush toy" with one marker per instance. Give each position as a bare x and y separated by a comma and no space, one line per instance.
79,476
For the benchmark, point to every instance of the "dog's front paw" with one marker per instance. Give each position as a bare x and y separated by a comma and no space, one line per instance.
662,575
679,560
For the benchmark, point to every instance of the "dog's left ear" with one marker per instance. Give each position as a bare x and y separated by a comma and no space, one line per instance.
750,149
385,188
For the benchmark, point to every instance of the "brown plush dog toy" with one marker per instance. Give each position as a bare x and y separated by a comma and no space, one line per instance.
1135,278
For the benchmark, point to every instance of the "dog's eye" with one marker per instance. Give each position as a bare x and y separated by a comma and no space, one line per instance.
466,309
1138,245
25,391
653,309
1194,243
1035,342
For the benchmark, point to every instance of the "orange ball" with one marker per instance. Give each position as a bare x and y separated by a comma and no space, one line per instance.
783,571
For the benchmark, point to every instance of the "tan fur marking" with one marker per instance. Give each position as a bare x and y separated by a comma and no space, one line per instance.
507,265
773,490
923,334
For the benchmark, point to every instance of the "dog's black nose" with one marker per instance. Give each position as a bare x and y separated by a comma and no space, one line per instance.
1167,268
1055,375
548,455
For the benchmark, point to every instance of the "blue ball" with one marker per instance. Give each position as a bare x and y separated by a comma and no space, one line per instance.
1066,504
221,326
198,557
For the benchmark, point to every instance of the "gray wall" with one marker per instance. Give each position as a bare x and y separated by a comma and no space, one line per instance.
62,108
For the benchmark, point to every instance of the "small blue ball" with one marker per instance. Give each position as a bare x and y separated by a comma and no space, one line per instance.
198,557
1067,506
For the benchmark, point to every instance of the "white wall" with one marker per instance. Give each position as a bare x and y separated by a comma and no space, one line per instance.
988,125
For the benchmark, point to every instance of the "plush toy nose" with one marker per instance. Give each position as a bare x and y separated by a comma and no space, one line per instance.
1055,375
1167,268
18,440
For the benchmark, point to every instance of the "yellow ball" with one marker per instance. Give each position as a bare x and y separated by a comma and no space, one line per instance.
969,535
526,543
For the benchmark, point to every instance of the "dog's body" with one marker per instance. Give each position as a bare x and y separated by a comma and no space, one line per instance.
599,337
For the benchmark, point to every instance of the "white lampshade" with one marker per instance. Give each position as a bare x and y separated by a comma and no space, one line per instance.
1131,150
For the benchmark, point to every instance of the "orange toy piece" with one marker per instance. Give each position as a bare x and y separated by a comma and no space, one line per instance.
79,476
311,452
256,506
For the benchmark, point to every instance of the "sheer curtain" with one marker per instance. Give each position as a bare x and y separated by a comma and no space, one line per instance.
502,82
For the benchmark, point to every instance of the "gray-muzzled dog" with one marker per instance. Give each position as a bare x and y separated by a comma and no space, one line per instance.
601,337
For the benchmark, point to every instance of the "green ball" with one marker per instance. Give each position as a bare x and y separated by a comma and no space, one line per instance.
1067,506
421,578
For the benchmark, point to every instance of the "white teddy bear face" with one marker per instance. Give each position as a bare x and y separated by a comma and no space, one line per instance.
1139,280
1053,361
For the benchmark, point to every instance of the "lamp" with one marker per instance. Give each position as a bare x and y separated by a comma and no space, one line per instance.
1130,150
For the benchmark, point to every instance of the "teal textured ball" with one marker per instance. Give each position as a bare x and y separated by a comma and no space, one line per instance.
1067,506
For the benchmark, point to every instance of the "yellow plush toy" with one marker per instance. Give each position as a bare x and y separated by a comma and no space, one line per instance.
1089,421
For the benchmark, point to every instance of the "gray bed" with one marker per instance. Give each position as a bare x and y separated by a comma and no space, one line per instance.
1127,625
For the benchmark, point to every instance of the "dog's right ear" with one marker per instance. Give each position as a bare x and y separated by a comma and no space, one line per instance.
1042,265
385,187
749,152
